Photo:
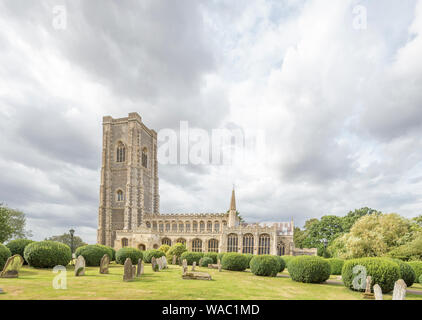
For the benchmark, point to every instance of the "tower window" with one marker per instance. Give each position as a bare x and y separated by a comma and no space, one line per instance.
121,152
120,196
145,157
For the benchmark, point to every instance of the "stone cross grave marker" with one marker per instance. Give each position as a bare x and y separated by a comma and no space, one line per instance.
193,266
80,266
104,263
128,270
378,292
368,294
12,267
399,292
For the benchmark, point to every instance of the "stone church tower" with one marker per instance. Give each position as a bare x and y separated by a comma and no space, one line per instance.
129,176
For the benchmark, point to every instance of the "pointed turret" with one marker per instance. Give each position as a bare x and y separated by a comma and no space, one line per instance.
233,202
233,219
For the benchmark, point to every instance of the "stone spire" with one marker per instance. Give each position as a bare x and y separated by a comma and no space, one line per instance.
233,202
232,212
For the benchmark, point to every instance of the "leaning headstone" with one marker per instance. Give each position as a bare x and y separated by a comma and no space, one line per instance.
399,292
154,264
12,267
193,266
368,294
104,263
140,269
219,265
160,263
164,262
378,292
80,266
128,274
174,261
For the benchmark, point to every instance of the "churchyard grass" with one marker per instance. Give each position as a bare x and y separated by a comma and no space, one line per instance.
168,285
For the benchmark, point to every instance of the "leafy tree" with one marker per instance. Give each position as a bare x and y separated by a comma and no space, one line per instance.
299,236
353,216
66,239
12,224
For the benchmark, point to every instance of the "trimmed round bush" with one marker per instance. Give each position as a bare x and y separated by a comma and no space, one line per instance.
47,254
282,264
4,255
309,269
406,272
206,261
164,248
265,265
110,251
191,257
335,265
149,254
384,272
221,255
175,250
93,253
249,256
287,259
18,246
417,267
124,253
212,255
234,261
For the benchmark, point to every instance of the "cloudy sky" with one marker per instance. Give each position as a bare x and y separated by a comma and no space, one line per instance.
337,96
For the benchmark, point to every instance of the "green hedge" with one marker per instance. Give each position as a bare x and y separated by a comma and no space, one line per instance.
206,261
93,253
282,263
4,255
265,265
417,267
177,250
287,259
420,279
234,261
221,255
132,253
309,269
191,257
110,251
47,254
249,256
18,246
212,255
383,271
147,255
335,265
406,272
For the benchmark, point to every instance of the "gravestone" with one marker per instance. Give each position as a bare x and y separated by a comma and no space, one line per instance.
154,264
174,259
368,294
1,291
399,292
104,263
128,274
140,270
213,266
378,292
164,262
196,276
80,266
160,263
219,265
12,267
193,266
133,271
184,266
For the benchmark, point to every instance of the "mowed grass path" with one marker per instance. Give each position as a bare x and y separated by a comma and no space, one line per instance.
36,284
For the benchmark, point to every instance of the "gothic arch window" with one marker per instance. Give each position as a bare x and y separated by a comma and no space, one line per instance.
161,227
187,226
232,242
181,227
141,247
209,226
213,245
217,226
248,243
155,246
264,244
148,224
202,226
174,227
145,157
166,241
121,152
120,196
125,242
197,245
224,223
154,226
195,226
181,240
167,227
280,249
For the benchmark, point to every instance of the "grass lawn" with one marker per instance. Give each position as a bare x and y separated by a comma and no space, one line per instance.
168,285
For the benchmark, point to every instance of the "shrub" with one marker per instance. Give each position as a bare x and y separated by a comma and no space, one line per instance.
417,267
124,253
206,261
335,265
212,255
282,263
4,255
110,251
287,259
383,271
191,257
147,256
164,248
47,254
249,256
177,250
309,269
265,265
221,255
93,253
18,246
420,279
234,261
406,272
